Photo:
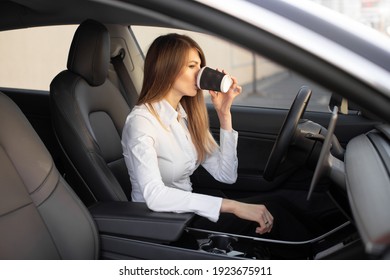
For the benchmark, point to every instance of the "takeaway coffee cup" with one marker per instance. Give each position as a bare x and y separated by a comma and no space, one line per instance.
210,79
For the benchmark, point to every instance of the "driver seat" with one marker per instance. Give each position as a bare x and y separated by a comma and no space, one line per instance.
89,113
40,215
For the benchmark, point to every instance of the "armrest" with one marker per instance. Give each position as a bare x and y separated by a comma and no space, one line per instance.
136,220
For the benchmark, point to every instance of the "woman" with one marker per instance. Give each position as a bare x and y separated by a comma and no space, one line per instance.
166,137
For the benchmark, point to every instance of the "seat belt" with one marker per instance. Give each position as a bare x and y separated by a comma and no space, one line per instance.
130,93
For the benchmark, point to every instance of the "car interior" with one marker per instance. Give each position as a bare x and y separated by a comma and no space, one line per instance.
65,192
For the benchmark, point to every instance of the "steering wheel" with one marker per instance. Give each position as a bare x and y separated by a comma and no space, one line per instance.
287,132
323,165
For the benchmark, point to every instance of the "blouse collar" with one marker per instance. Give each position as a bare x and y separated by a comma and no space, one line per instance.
167,113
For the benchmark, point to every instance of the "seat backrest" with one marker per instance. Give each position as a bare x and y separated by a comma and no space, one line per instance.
40,215
89,113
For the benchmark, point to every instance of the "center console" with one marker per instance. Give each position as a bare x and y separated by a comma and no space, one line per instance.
129,230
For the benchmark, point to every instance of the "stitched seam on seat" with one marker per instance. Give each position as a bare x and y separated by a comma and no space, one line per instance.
114,161
21,177
78,114
44,221
75,132
84,210
94,61
34,195
114,191
74,167
16,209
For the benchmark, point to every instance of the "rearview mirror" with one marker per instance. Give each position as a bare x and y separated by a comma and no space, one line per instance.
340,102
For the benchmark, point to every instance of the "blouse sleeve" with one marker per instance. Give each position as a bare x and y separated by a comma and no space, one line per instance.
138,142
222,163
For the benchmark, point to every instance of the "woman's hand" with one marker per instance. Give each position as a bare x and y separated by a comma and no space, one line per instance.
223,101
252,212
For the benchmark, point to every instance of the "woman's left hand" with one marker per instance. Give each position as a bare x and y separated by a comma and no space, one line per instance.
223,101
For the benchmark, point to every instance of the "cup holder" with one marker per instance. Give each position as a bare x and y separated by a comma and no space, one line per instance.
219,244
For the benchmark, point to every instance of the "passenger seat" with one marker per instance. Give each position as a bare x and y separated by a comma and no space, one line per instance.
40,215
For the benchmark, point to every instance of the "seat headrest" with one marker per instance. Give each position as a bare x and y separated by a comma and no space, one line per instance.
89,54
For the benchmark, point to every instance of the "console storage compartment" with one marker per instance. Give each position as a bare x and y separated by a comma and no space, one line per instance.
134,220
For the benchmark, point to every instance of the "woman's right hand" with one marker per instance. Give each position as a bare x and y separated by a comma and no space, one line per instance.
252,212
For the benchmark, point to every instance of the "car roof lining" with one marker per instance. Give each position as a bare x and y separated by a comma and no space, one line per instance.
43,13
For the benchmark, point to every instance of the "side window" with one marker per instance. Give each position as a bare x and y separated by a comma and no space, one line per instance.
30,58
265,84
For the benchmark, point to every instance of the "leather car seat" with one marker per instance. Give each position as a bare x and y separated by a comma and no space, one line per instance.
89,113
40,215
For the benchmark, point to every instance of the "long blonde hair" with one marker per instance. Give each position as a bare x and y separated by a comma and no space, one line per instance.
164,60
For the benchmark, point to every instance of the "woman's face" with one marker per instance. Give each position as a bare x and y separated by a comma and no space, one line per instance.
185,83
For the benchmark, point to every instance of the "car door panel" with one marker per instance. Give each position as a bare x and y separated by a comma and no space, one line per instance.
258,129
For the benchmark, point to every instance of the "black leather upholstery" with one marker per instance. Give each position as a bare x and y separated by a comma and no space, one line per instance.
40,216
89,113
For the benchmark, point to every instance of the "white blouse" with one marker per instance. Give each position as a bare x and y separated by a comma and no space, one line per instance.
160,161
